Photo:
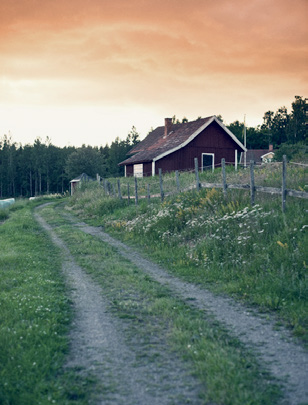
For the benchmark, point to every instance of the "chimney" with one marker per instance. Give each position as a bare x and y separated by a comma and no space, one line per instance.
270,148
168,126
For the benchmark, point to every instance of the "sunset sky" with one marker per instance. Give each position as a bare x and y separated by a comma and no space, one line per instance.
86,71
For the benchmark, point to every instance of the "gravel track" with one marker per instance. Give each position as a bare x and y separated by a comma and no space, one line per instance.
98,346
276,349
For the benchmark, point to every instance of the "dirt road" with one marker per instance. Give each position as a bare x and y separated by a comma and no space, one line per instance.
98,346
98,339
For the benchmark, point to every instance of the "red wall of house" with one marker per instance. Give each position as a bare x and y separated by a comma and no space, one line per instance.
212,140
129,170
147,169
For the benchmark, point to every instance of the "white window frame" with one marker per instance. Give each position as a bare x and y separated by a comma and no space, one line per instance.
153,168
138,170
241,158
213,160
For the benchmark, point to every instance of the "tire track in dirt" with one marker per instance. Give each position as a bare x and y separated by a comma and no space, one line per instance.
98,347
277,350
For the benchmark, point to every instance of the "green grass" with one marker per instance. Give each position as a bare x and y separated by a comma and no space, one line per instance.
229,374
256,254
35,315
269,175
4,214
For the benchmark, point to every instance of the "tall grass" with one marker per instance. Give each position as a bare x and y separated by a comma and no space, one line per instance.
269,175
35,315
4,214
257,254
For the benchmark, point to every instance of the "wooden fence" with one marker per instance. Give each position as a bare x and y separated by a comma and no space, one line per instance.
110,189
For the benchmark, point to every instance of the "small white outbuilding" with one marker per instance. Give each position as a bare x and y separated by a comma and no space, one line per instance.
78,180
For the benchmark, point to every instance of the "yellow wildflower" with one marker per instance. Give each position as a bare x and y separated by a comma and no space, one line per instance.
283,245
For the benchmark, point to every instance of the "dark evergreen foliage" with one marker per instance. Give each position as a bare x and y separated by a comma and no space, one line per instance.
277,128
43,168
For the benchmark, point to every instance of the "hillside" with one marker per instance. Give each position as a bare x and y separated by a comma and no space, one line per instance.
254,253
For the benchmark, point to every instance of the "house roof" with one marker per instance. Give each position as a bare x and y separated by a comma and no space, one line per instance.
267,154
82,177
256,155
155,146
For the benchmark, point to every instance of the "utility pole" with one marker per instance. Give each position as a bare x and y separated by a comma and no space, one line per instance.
245,140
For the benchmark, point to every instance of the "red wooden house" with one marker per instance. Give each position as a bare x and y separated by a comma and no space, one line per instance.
174,147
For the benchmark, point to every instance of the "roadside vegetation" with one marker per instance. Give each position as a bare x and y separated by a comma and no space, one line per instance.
269,175
255,254
156,321
35,315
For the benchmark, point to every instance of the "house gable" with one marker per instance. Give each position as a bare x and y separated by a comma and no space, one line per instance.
196,133
211,140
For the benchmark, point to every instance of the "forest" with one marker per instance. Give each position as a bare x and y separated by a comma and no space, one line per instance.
43,168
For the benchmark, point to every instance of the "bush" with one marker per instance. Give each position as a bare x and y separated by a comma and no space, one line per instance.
297,152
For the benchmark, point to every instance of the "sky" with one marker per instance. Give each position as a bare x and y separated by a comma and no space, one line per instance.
87,71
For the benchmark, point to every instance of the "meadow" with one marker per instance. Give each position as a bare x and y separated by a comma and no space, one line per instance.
36,316
257,254
269,175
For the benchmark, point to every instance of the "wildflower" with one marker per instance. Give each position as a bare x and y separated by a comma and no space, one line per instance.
283,245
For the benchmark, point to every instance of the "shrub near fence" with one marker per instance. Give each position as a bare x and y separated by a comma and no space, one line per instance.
273,178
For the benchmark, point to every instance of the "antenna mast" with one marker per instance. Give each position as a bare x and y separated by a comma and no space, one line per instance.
245,163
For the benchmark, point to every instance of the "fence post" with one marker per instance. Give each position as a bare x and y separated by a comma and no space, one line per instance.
252,183
284,176
136,191
224,182
105,186
108,185
113,190
148,187
197,174
177,180
128,195
119,190
98,178
161,185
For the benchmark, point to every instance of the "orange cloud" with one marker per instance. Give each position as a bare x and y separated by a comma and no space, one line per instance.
159,53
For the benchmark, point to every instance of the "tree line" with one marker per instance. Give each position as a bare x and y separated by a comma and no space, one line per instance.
44,168
278,127
41,168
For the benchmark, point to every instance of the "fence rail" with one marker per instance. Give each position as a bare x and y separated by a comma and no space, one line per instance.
160,192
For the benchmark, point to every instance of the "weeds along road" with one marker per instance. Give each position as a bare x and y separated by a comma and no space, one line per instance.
150,373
